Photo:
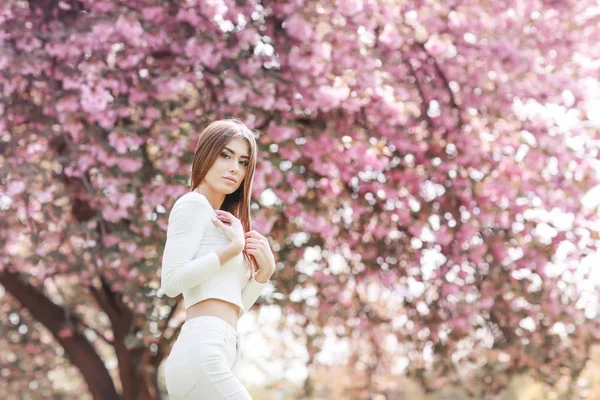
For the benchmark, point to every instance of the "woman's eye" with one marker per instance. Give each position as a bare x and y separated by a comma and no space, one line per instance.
244,163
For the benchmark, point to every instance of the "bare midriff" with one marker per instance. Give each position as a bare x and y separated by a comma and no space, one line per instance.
214,307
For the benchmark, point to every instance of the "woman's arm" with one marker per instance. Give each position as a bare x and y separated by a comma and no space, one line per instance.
252,290
257,246
187,224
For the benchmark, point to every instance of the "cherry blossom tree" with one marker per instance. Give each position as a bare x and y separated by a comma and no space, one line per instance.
428,161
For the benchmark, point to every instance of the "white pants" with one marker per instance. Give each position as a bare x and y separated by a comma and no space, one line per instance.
201,362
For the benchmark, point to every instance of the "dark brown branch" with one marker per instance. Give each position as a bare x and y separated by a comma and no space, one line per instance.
81,352
101,336
102,301
446,82
421,91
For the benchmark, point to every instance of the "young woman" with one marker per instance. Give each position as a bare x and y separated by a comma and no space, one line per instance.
217,262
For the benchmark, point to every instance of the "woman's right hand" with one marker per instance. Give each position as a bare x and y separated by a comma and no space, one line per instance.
231,227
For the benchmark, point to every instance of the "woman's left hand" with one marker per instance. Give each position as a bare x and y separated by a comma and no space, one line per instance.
258,246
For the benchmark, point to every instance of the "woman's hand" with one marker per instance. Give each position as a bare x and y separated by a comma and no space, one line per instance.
258,246
231,227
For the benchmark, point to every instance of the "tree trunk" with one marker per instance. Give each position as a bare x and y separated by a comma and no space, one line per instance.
81,352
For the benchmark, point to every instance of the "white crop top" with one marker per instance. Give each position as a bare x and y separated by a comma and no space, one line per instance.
190,264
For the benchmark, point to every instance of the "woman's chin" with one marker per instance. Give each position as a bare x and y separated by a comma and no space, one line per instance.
228,189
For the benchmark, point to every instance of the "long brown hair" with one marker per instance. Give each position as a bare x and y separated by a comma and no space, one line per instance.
210,144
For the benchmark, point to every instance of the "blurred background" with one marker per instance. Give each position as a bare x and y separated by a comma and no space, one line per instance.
428,180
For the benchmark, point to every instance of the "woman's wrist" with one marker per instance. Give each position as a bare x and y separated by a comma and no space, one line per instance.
261,279
228,252
263,275
235,247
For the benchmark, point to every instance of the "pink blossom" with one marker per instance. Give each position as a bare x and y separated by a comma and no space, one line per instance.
153,14
443,237
126,200
102,31
65,333
146,231
102,7
189,15
280,133
15,188
129,29
110,240
170,165
84,162
298,28
330,97
390,37
137,96
28,44
498,250
262,224
202,52
67,104
460,324
265,101
213,8
248,36
322,277
250,67
298,61
350,7
235,93
118,141
94,99
106,118
131,60
486,303
435,46
323,50
153,113
123,112
114,214
64,51
69,83
140,308
129,164
286,197
298,184
448,289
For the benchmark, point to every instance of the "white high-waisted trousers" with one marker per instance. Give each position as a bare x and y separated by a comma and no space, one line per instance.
201,362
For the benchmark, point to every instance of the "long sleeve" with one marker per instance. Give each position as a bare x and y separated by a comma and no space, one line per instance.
187,223
250,293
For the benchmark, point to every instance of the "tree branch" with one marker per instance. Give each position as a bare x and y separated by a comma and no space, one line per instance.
444,78
101,336
81,352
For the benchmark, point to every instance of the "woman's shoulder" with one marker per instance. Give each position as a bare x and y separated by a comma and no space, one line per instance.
192,200
193,196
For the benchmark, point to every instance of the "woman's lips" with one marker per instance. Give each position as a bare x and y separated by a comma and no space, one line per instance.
230,181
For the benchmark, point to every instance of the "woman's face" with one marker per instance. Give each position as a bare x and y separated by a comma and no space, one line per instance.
232,162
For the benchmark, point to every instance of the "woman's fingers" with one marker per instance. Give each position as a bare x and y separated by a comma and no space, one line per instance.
221,223
224,218
218,223
254,246
255,235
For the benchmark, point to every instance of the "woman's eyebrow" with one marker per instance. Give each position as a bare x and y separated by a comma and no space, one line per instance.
233,152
